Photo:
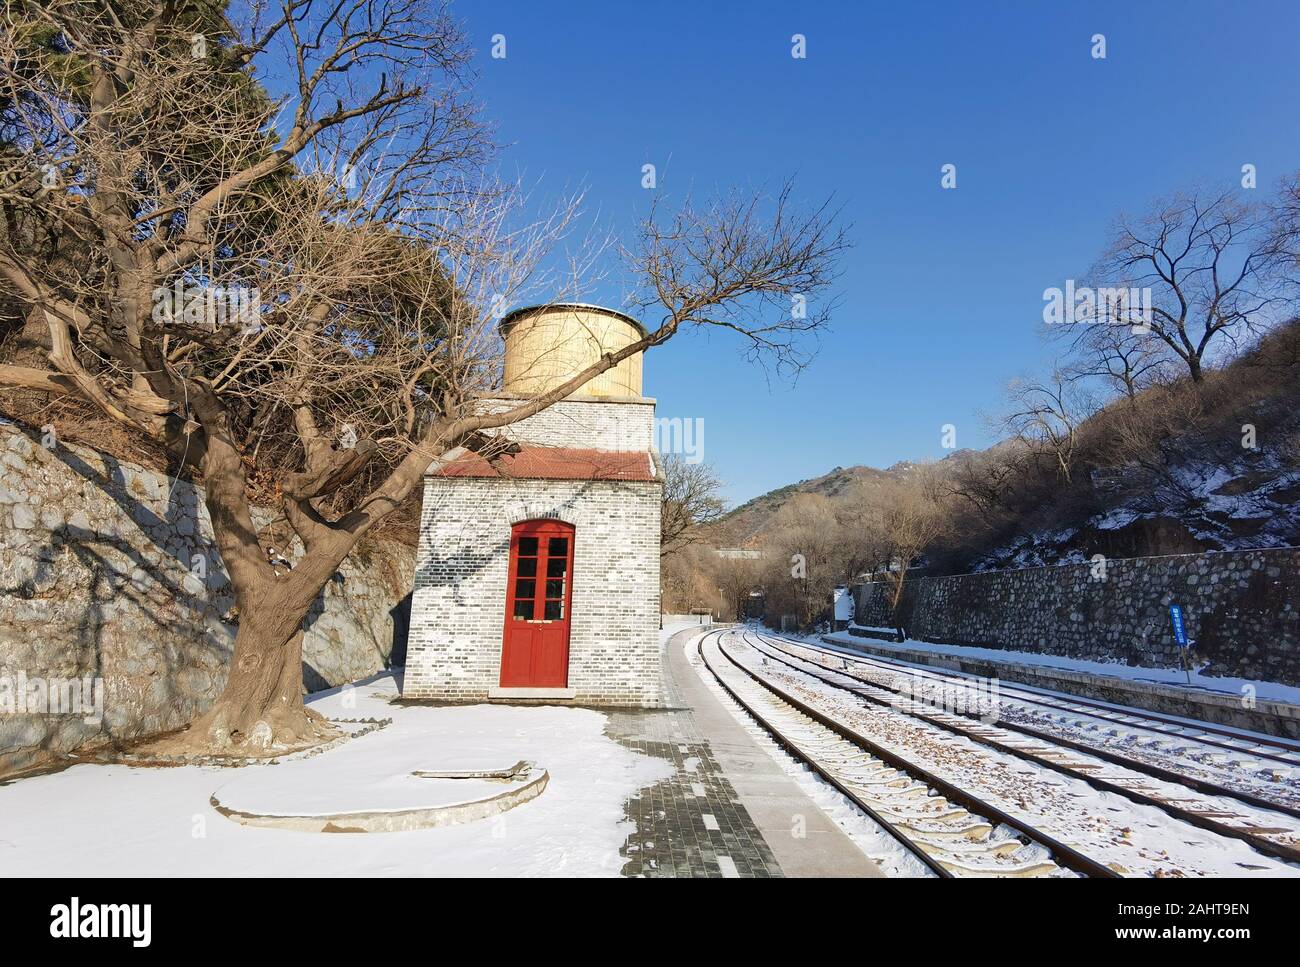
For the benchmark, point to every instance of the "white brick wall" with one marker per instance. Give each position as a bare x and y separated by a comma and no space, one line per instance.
585,424
458,608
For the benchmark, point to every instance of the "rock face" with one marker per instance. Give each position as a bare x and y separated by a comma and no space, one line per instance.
110,585
1241,611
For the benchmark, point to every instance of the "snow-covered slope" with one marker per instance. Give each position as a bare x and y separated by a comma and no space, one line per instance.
1208,498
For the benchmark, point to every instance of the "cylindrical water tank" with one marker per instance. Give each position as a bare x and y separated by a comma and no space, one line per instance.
548,345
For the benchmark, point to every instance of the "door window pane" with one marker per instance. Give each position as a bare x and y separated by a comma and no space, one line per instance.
540,589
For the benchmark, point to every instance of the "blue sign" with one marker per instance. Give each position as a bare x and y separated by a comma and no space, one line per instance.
1180,633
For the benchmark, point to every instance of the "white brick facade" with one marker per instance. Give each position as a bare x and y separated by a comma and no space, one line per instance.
588,424
458,607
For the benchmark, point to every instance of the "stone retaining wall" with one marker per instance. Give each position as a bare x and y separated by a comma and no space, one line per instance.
108,572
1241,611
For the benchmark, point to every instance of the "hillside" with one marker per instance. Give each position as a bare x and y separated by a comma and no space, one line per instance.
745,526
1182,467
1211,494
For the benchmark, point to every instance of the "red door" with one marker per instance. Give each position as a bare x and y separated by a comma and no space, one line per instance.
535,653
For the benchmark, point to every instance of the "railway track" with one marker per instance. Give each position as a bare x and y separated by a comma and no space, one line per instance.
1213,808
951,832
1283,752
1160,731
1153,738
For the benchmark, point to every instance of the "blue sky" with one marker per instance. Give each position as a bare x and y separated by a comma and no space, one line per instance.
943,290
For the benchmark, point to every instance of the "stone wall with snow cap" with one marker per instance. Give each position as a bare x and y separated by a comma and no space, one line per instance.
1241,611
108,573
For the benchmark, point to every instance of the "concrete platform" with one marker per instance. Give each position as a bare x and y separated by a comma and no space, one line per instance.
1222,708
729,809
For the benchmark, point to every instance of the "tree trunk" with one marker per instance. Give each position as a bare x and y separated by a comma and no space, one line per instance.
897,597
261,709
898,590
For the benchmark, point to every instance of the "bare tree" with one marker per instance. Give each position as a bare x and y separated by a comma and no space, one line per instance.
806,545
1285,216
859,527
912,520
691,498
740,263
1214,266
1046,415
1127,360
1151,435
688,579
737,578
989,480
146,178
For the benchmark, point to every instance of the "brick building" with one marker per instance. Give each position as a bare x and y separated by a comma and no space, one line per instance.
537,575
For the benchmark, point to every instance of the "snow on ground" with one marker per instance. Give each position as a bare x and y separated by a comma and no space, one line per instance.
1246,766
1265,691
865,834
1115,773
1136,838
93,820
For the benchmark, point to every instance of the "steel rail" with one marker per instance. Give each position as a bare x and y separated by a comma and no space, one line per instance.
1155,771
1064,855
1099,710
794,750
1267,847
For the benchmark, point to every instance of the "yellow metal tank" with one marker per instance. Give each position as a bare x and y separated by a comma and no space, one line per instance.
548,345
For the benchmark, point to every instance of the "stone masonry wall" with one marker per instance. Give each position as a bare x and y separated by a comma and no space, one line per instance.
458,608
1241,611
98,578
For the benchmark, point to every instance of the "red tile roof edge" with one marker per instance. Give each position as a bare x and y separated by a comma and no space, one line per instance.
556,463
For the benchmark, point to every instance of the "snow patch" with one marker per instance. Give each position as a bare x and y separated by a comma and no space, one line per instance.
117,820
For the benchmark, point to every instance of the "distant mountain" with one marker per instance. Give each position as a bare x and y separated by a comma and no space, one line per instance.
743,526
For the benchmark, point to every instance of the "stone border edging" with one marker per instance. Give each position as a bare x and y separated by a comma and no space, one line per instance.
393,821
